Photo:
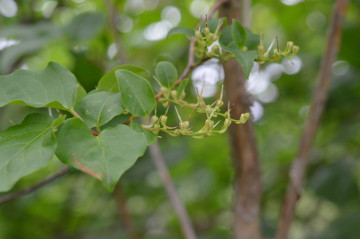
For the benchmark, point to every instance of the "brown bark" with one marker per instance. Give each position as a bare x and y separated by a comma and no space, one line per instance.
247,183
298,168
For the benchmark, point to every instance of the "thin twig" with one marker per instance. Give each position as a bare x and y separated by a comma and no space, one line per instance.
127,220
179,207
298,168
111,12
32,188
191,64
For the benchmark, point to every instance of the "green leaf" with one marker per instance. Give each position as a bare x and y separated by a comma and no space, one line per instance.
136,93
26,148
105,157
213,24
84,26
238,34
109,83
99,107
150,137
182,86
166,73
246,60
252,40
226,40
54,86
181,30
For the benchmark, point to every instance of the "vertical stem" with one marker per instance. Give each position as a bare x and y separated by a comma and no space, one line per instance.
171,191
247,183
125,217
298,168
112,16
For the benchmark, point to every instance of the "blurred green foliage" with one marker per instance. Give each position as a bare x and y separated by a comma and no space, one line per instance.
76,34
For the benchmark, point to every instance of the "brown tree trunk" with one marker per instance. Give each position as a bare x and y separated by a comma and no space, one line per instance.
246,161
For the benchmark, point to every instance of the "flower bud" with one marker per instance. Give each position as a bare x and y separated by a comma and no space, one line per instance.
210,39
163,120
209,123
184,125
206,31
261,49
198,35
219,103
216,49
174,94
182,96
156,128
244,118
208,110
166,104
154,119
289,45
227,123
295,49
164,91
177,132
227,115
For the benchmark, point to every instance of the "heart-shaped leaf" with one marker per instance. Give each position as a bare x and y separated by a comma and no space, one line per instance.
137,95
54,86
105,157
26,148
99,107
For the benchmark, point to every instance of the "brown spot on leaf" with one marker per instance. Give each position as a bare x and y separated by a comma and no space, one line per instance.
86,170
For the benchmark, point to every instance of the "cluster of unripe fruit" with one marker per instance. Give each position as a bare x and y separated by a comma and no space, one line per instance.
159,124
204,40
290,51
